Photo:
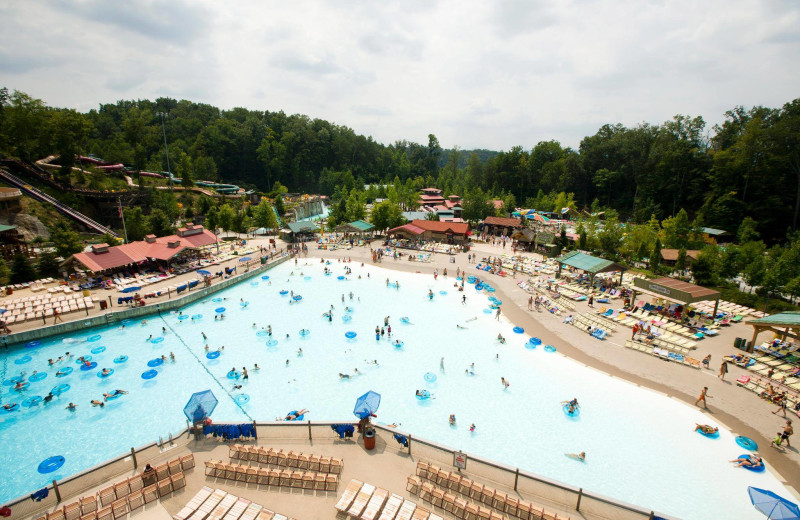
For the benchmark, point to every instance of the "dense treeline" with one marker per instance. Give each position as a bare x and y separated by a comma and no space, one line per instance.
747,167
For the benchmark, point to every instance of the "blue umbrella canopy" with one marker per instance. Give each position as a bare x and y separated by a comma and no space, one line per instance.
131,289
245,259
203,272
367,404
773,506
200,405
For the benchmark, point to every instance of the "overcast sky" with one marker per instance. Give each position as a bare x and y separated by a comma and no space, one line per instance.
477,73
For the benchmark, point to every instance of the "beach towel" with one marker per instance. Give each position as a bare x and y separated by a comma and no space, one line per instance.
401,439
40,495
344,430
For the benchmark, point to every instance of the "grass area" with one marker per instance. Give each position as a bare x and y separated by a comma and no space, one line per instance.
46,214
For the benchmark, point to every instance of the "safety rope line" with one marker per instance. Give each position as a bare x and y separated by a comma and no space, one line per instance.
200,362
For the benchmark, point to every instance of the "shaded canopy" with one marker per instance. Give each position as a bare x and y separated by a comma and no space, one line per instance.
367,404
773,506
200,405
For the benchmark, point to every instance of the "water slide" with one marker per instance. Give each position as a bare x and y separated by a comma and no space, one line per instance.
60,207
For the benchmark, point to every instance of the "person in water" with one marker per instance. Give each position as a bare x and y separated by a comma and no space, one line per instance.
577,456
95,402
296,415
452,419
472,428
105,372
72,407
501,339
705,428
752,461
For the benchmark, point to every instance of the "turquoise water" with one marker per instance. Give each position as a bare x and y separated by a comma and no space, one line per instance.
641,447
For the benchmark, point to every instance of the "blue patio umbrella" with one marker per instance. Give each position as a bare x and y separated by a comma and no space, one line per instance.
245,259
367,404
200,405
131,289
203,272
773,506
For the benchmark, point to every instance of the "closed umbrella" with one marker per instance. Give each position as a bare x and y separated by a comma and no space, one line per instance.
773,506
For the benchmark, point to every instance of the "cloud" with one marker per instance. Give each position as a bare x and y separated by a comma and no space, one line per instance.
477,74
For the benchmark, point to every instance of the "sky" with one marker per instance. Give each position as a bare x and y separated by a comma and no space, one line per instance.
476,73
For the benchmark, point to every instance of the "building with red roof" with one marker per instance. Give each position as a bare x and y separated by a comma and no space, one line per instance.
433,231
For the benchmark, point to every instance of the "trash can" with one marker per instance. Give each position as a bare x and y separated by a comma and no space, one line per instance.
737,343
369,439
264,260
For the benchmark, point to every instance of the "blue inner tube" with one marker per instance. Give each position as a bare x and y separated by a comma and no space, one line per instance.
430,377
120,359
25,385
33,344
41,375
714,435
254,284
233,374
242,399
155,362
498,302
757,469
157,340
213,355
272,342
340,277
404,319
328,273
262,333
12,409
535,341
216,300
265,277
490,289
244,304
24,359
572,415
530,346
13,380
306,278
219,309
487,311
350,334
442,292
478,287
197,316
98,350
64,372
346,318
518,330
183,317
92,339
298,418
297,297
304,332
398,344
85,358
60,389
100,374
32,401
90,366
127,322
425,395
747,443
113,396
150,374
349,310
549,348
284,292
51,464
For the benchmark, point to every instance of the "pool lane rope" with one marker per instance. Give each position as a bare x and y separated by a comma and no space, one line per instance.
199,362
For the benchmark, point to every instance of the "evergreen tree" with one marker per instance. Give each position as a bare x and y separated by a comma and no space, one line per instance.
66,241
655,258
135,223
47,264
159,224
22,269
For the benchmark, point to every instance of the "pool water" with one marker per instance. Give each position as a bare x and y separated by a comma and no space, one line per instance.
640,445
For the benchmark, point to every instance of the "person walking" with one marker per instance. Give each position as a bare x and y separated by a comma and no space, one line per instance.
497,314
723,369
785,434
707,361
703,396
634,330
530,303
591,300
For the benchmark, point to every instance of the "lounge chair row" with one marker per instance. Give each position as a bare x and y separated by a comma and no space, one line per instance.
663,353
220,505
365,501
489,496
273,477
760,387
291,459
87,507
601,322
582,322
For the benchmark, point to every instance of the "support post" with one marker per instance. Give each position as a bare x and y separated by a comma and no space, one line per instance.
133,456
516,478
255,430
409,444
309,431
55,488
651,516
580,495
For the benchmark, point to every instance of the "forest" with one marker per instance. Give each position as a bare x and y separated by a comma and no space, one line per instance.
749,166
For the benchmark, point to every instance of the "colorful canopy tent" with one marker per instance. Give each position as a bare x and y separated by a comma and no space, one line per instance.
675,290
200,406
785,324
367,405
589,264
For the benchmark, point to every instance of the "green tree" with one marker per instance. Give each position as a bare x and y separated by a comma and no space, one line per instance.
431,215
655,258
385,215
5,272
22,269
212,219
110,239
279,207
356,209
159,224
677,230
168,203
135,223
66,241
681,262
747,231
264,215
226,216
47,264
581,236
704,268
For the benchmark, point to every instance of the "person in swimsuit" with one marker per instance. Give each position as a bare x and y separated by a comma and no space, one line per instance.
295,415
95,402
577,456
752,461
72,407
705,428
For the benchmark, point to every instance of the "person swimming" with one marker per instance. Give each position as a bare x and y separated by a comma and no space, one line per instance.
95,402
105,372
751,461
472,428
295,415
452,419
344,376
501,339
577,456
705,428
72,407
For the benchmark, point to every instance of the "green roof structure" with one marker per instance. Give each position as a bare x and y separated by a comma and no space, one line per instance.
302,227
783,319
357,226
784,324
590,264
4,227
